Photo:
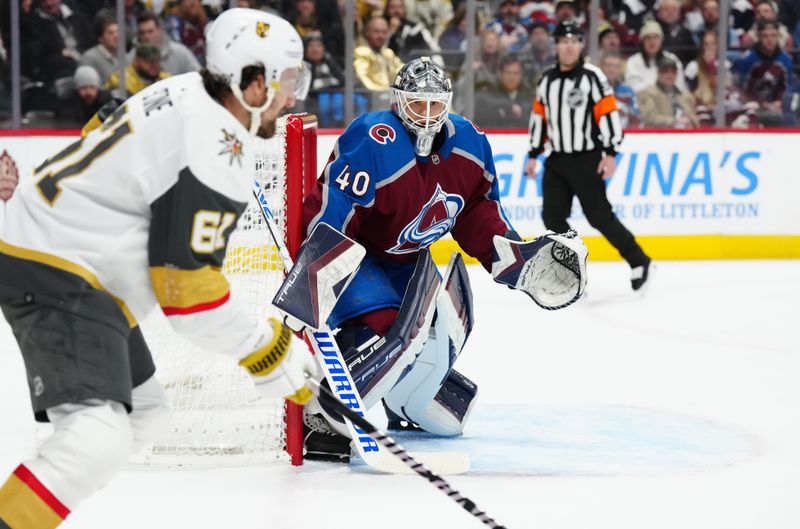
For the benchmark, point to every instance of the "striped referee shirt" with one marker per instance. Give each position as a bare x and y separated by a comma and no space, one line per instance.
575,111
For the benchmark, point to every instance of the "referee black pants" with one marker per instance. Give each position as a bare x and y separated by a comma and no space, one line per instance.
568,175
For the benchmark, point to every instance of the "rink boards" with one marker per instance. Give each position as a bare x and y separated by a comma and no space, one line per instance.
686,195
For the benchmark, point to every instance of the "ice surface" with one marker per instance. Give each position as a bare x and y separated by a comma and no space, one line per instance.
674,410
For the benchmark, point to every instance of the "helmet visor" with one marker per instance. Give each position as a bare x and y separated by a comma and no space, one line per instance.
295,81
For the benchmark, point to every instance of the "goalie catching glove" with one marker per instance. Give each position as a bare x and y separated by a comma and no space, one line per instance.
550,269
279,367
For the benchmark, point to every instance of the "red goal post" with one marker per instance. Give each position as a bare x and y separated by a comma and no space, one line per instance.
219,418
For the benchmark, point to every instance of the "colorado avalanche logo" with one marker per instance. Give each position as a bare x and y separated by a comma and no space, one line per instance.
437,218
382,133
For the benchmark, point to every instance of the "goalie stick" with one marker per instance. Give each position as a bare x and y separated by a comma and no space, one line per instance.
338,377
392,446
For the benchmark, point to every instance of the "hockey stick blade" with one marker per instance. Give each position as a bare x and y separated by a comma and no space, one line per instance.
327,351
408,460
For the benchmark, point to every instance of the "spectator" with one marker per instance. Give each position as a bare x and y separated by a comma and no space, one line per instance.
409,39
304,17
329,18
530,12
709,9
677,38
508,26
608,38
487,64
765,73
693,17
79,107
708,53
612,65
186,24
103,56
507,104
453,40
374,63
565,10
144,70
327,21
665,105
742,16
175,57
435,14
627,37
739,113
58,37
325,98
634,13
538,54
766,11
640,70
133,8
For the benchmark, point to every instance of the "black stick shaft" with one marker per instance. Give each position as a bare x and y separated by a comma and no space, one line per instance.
392,446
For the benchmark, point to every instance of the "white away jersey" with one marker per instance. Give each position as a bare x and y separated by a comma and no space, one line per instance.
142,207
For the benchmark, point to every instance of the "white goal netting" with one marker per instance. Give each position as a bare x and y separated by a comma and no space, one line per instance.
219,419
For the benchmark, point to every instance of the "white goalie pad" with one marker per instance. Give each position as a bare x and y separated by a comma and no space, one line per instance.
419,396
550,269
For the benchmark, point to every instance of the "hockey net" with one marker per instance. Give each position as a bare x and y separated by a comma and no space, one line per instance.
219,419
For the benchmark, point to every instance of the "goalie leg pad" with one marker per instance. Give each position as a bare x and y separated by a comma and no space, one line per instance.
446,414
378,363
428,394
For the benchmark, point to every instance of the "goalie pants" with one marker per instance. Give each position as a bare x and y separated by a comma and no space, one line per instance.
567,175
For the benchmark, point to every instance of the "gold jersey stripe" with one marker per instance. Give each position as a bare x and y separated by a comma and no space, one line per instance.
186,291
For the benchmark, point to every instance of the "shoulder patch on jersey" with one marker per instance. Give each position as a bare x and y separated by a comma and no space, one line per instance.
232,147
437,217
382,133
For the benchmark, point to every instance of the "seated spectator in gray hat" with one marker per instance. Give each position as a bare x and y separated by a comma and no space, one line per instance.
87,98
665,105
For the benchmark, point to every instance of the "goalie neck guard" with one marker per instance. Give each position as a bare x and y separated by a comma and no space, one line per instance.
421,96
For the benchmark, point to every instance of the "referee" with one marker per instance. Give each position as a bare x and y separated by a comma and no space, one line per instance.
575,111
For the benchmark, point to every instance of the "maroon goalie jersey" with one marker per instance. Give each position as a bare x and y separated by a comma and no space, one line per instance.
378,192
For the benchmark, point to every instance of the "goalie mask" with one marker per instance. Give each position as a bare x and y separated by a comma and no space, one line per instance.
247,37
420,96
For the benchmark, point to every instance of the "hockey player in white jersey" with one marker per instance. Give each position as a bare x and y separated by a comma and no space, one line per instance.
137,214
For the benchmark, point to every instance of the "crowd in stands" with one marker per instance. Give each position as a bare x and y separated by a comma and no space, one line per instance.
662,57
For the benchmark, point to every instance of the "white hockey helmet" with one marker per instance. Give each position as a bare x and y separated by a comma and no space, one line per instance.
248,37
421,95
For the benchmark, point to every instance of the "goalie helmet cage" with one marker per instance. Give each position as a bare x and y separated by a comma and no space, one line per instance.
219,419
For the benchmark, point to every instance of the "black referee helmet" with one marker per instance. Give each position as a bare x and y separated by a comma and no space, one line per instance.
567,28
